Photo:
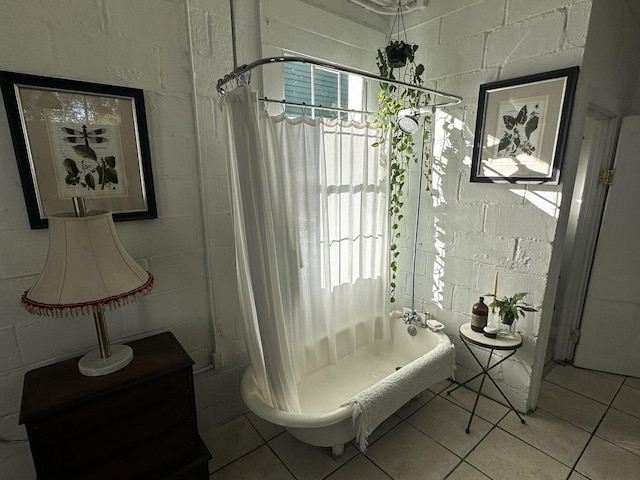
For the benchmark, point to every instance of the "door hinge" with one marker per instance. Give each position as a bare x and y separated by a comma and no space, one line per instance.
606,176
574,336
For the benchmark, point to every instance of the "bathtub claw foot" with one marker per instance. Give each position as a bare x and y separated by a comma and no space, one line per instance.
337,450
418,397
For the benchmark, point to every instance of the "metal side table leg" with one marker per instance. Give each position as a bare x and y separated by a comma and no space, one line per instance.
505,397
484,375
470,337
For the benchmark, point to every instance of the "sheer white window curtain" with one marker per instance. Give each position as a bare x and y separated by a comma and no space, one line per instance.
309,201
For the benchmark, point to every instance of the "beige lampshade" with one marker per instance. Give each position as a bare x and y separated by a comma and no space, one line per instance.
87,269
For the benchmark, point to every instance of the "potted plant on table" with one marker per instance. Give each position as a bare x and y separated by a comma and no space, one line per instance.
511,308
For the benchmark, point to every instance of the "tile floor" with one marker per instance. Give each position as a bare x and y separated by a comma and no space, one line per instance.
586,426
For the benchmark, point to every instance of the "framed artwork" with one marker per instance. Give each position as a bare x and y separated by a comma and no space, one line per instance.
79,139
521,128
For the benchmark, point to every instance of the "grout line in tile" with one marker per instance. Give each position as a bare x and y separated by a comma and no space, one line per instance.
593,434
372,461
622,411
595,373
444,446
496,425
456,467
493,426
605,375
463,459
449,399
611,442
279,458
366,454
264,442
568,421
541,451
637,387
254,428
573,468
352,459
237,459
421,432
581,394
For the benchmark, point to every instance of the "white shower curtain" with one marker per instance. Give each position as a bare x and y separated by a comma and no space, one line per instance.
309,205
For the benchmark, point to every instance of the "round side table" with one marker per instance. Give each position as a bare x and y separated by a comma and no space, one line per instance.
470,337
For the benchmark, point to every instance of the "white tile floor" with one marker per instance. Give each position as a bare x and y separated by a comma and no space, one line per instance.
586,426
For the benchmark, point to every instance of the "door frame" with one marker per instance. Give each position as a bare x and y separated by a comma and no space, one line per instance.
583,228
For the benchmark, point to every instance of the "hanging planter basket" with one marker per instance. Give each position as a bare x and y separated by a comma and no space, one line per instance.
400,146
398,53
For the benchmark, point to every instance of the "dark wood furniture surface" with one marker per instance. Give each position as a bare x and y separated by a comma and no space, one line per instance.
137,423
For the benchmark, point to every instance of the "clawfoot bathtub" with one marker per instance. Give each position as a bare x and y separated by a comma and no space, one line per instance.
323,422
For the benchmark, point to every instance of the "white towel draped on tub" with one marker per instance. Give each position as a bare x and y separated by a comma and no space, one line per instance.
373,405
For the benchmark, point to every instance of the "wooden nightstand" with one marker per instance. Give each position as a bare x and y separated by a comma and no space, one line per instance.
137,423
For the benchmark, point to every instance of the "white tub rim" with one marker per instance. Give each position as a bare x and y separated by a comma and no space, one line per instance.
254,402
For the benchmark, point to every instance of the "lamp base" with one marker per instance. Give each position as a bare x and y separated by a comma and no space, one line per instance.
93,365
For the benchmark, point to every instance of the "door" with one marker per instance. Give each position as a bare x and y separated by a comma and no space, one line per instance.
610,327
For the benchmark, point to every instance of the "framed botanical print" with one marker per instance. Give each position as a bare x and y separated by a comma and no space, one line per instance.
521,128
79,139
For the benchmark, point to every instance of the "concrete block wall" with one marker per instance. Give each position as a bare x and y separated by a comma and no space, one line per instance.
470,231
218,391
174,50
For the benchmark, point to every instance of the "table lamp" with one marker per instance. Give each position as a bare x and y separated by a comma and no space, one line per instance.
87,271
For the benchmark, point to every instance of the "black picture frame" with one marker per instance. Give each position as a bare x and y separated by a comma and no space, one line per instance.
521,128
79,139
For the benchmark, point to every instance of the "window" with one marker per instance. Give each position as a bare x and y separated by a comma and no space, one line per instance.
311,84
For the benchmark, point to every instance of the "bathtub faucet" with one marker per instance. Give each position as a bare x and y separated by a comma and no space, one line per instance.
413,319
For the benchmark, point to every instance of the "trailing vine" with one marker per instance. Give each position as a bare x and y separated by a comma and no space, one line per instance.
399,146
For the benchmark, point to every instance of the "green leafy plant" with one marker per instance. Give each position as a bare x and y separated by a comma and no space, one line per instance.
511,308
398,52
398,146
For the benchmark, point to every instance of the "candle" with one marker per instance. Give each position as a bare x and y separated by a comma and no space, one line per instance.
495,290
495,286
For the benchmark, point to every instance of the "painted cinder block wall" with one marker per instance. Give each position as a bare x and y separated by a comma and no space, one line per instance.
175,50
145,44
474,230
470,231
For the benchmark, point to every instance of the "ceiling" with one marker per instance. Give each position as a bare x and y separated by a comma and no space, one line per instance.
390,7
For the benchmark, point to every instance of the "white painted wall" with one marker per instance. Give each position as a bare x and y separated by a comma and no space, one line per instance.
293,29
176,50
469,231
611,64
145,44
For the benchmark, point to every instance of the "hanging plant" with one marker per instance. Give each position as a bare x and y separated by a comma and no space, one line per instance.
399,146
397,53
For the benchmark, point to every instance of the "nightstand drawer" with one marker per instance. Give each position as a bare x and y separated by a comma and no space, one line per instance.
148,460
106,439
86,418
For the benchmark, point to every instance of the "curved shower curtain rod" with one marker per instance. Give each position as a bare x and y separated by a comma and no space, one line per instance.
244,71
